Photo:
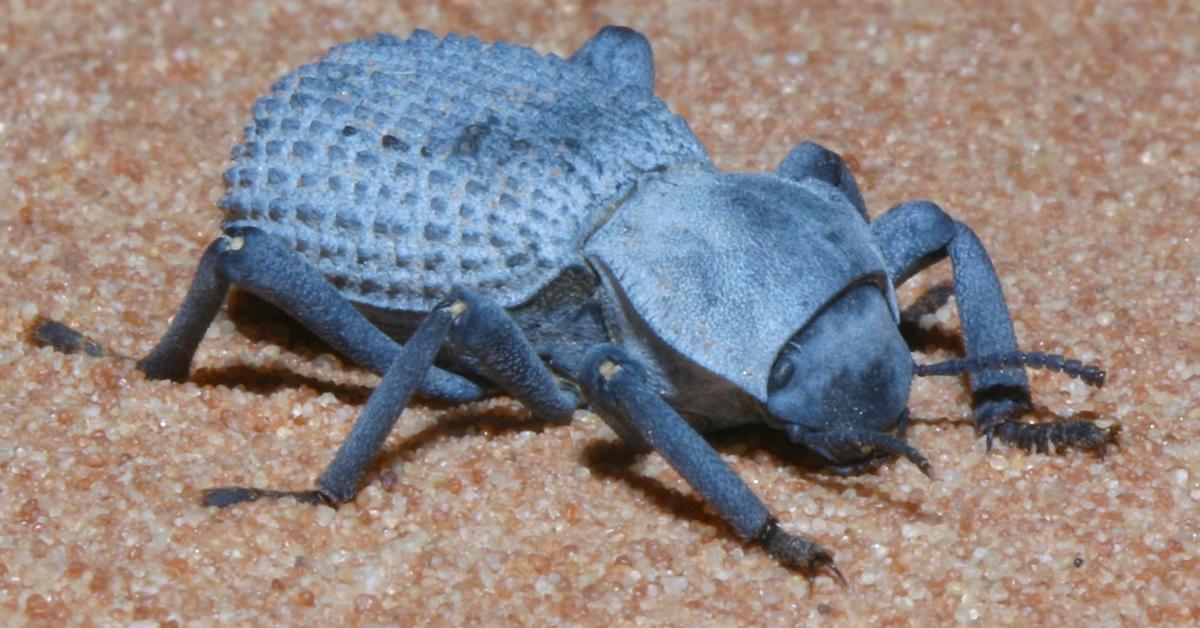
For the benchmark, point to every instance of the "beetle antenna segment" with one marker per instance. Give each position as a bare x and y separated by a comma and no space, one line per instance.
1091,374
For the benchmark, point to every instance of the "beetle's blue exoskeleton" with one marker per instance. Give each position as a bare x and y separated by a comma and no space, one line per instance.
548,229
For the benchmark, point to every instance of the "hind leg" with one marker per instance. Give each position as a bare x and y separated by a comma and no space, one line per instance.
252,260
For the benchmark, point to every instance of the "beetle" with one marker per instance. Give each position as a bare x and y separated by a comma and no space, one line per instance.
470,219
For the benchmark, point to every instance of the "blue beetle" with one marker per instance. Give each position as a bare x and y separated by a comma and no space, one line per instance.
468,219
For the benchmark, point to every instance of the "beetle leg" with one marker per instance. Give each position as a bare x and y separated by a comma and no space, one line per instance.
615,385
468,325
339,483
913,236
813,161
256,262
490,342
171,358
622,55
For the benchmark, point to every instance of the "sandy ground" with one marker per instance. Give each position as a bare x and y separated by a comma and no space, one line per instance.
1065,133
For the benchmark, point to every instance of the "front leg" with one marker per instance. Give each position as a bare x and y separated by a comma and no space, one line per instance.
914,235
616,386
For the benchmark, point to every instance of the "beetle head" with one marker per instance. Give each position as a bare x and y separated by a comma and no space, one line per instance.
841,385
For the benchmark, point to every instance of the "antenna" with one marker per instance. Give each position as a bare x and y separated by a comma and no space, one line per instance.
1090,374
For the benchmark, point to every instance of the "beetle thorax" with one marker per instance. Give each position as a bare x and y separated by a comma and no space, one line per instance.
720,270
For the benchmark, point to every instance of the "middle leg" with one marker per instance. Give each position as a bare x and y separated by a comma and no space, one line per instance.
616,386
467,325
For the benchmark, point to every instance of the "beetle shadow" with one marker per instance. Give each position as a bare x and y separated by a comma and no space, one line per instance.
265,380
781,451
617,460
944,422
262,322
456,422
921,338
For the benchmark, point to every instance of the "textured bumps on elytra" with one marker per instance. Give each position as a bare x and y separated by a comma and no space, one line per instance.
401,167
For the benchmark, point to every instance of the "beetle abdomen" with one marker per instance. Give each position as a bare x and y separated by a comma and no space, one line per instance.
402,167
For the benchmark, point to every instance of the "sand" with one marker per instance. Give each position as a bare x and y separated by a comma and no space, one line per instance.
1065,133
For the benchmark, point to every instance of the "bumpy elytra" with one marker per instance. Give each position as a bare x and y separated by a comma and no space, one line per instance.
546,228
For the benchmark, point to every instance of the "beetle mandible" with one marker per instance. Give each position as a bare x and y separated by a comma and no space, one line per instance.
548,229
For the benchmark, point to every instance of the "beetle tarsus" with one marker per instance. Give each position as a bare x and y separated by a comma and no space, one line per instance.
46,332
1048,437
797,552
227,496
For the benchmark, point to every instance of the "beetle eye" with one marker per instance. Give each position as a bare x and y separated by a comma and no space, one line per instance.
781,374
